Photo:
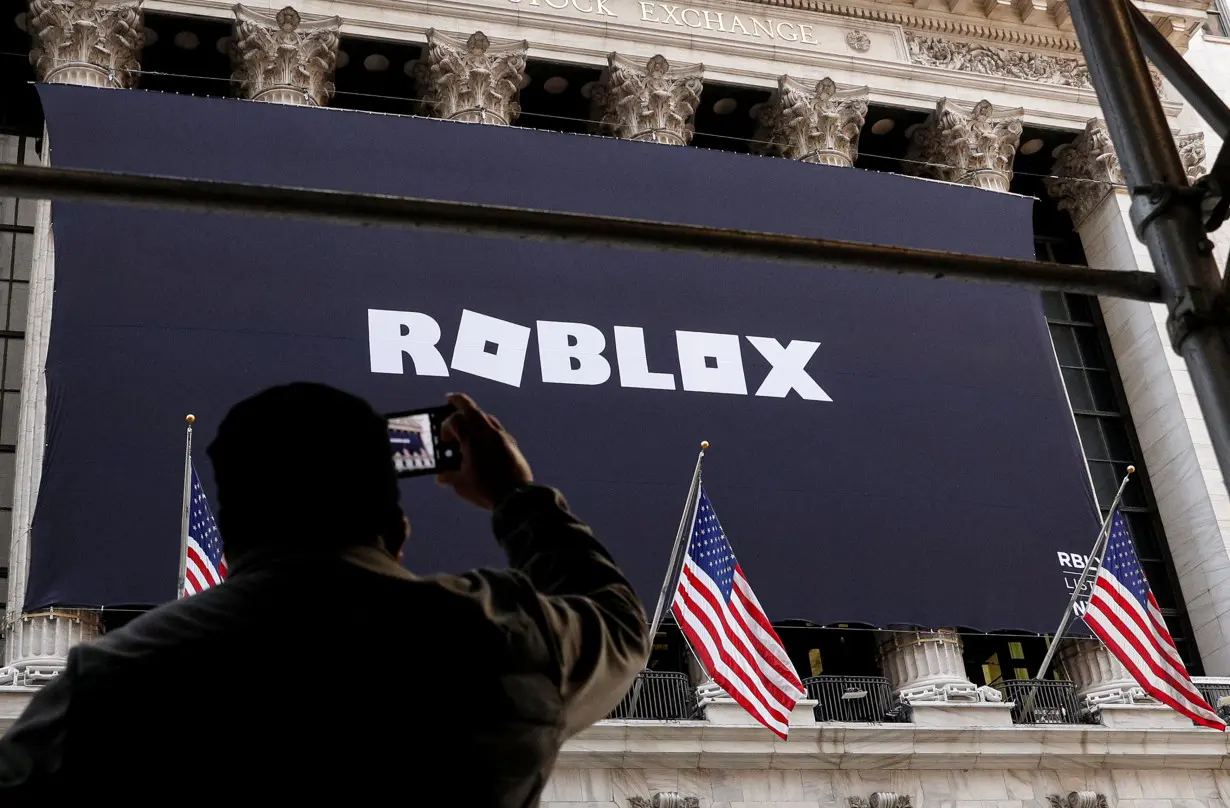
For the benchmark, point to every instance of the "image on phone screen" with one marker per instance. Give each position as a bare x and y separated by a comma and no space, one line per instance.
413,443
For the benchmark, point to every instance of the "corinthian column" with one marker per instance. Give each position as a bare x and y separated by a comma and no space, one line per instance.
93,44
966,145
814,126
472,81
1191,492
283,59
926,666
653,103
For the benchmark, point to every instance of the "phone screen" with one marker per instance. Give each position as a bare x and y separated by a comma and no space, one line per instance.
414,439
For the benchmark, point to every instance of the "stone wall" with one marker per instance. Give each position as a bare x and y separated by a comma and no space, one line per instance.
748,788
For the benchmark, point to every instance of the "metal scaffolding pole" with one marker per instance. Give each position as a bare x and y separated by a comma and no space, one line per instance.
1165,212
341,207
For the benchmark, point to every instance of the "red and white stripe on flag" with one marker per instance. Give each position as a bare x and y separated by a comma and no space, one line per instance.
199,572
1124,614
729,630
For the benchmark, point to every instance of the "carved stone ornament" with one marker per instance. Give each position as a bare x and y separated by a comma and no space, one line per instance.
93,44
1086,170
966,146
818,125
664,799
975,57
654,102
1078,799
471,80
281,58
858,41
1192,153
880,799
986,60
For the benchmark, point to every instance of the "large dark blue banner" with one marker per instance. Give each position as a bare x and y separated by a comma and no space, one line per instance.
885,450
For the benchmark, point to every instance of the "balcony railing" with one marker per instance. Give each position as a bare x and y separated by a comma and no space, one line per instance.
664,696
1053,702
857,699
1214,689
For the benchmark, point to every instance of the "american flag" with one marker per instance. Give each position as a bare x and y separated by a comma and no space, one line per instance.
728,629
1124,614
206,567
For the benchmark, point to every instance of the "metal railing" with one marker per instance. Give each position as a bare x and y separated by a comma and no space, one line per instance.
1214,690
1053,702
856,699
663,696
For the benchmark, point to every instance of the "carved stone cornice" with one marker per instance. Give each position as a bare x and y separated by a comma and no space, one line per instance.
650,101
94,44
282,58
471,80
1087,169
1042,24
1078,799
819,125
988,60
970,146
880,799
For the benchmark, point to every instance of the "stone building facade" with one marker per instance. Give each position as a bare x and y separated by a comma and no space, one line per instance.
981,79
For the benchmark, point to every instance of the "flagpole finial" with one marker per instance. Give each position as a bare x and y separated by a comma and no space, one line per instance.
704,444
1131,469
190,419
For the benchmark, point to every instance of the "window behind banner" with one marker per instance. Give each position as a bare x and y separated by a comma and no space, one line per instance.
1108,436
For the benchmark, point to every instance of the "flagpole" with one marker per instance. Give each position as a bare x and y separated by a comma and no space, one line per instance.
1094,562
676,561
183,517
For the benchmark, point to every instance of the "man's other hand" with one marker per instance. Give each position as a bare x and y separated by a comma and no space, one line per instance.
491,464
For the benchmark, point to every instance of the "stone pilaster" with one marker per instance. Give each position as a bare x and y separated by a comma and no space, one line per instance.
819,125
966,145
282,58
653,102
84,42
473,81
36,644
926,666
1187,482
1098,676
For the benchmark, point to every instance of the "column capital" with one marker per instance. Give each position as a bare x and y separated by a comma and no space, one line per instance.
819,125
471,80
283,58
967,145
86,42
652,101
1085,171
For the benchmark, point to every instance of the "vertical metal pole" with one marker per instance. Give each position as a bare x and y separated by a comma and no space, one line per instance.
1091,566
184,520
1174,234
673,566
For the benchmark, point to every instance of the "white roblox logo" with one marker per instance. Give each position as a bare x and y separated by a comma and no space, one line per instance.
572,353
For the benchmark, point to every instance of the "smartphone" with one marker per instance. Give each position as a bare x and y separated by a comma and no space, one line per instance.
414,439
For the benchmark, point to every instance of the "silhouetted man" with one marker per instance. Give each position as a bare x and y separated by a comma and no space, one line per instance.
321,666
